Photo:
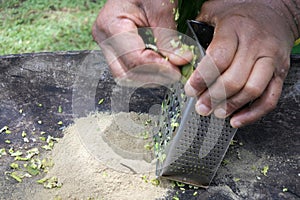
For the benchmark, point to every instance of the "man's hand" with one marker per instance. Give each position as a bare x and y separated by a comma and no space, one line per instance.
116,31
247,60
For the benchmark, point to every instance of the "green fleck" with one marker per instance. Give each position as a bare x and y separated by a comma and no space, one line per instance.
11,150
175,198
180,184
39,122
147,122
40,105
100,101
8,131
30,153
233,142
176,14
43,138
186,72
52,183
24,134
175,44
145,178
174,124
7,141
17,153
41,181
14,165
21,111
43,133
104,174
19,158
264,171
3,152
16,176
225,162
284,190
145,135
195,193
50,143
148,146
60,123
47,163
236,179
47,147
32,170
155,182
60,110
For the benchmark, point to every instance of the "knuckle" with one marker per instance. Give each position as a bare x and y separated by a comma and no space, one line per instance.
232,84
220,52
196,81
215,100
233,105
253,91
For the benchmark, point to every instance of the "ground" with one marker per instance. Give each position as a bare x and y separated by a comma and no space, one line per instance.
262,163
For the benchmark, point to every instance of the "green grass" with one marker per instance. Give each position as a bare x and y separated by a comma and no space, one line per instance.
49,25
44,25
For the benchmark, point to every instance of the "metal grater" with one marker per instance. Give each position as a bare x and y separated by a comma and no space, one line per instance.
190,147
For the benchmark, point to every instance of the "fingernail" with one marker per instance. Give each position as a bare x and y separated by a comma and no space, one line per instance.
203,109
220,113
189,90
236,124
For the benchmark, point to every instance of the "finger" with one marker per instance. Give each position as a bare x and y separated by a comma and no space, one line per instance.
220,54
266,103
164,29
170,44
150,73
233,78
121,44
256,84
126,50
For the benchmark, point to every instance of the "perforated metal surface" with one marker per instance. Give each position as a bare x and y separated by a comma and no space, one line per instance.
189,147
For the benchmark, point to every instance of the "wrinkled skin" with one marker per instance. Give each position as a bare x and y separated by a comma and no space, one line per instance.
247,60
